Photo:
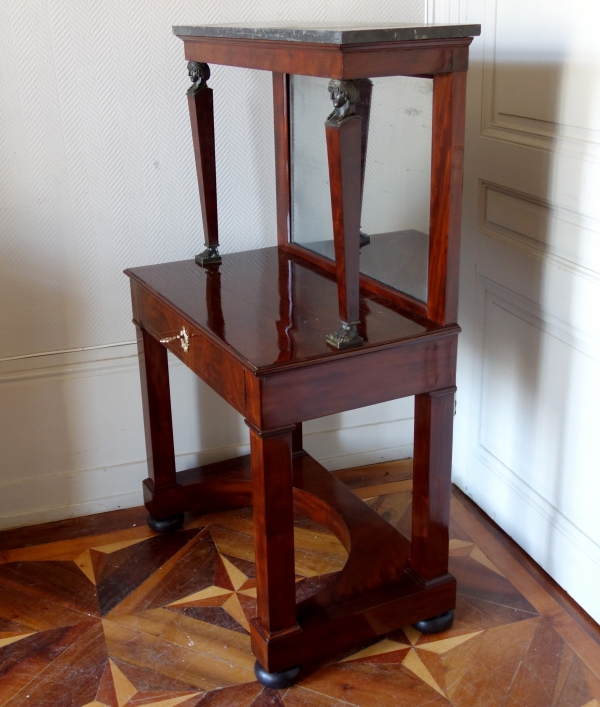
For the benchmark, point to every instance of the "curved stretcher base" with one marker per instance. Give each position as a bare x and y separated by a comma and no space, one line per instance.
375,593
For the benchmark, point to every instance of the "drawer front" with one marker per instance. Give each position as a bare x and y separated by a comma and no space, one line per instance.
220,370
372,377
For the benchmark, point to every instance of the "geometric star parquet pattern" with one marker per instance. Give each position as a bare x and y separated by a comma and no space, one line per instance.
132,619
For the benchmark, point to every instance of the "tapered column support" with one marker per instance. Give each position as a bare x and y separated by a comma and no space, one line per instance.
343,130
156,404
200,102
272,490
158,424
432,468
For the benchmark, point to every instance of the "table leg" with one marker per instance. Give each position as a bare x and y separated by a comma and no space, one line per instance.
432,468
158,423
271,453
343,130
274,527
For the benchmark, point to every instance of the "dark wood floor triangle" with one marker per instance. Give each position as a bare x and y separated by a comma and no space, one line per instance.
137,566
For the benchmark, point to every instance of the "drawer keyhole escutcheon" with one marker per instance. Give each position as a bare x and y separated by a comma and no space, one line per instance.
183,338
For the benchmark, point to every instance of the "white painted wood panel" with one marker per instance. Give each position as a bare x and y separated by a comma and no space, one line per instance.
529,357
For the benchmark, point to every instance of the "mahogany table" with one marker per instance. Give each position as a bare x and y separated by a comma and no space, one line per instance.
257,328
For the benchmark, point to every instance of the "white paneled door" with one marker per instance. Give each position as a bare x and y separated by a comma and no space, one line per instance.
528,420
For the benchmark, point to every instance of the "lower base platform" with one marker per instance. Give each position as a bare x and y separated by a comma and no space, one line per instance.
375,593
286,678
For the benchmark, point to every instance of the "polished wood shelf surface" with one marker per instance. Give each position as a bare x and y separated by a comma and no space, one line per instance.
103,611
272,309
398,259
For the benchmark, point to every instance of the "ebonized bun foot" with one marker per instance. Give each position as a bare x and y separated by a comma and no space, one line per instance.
276,681
437,624
166,525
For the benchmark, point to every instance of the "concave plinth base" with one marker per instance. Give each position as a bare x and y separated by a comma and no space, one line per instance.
376,591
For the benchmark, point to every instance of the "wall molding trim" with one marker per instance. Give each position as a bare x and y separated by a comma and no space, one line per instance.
64,365
537,316
550,136
537,217
39,354
44,499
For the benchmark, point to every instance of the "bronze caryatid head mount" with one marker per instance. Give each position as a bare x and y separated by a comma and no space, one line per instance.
344,95
199,74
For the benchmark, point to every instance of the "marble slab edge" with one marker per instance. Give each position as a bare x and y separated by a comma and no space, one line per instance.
358,35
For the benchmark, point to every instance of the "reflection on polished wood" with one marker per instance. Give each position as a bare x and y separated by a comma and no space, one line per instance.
179,632
397,259
245,302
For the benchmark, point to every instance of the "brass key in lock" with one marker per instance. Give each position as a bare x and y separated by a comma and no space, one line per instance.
183,338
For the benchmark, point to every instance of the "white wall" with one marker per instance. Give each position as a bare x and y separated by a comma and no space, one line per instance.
98,175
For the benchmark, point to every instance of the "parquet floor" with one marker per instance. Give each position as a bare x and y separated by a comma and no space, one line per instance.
128,618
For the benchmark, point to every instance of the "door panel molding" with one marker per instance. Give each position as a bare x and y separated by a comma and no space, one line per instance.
564,237
491,433
489,290
551,515
513,125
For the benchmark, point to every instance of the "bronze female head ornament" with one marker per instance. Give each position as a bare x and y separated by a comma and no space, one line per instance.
344,95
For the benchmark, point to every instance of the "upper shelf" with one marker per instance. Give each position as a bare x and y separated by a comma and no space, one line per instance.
273,310
333,51
330,33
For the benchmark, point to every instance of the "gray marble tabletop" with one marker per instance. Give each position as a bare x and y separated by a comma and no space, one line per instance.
330,33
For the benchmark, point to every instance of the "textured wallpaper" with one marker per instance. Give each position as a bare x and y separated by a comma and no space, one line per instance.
97,166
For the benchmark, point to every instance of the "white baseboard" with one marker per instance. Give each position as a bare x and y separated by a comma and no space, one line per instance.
72,443
554,541
359,445
70,495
